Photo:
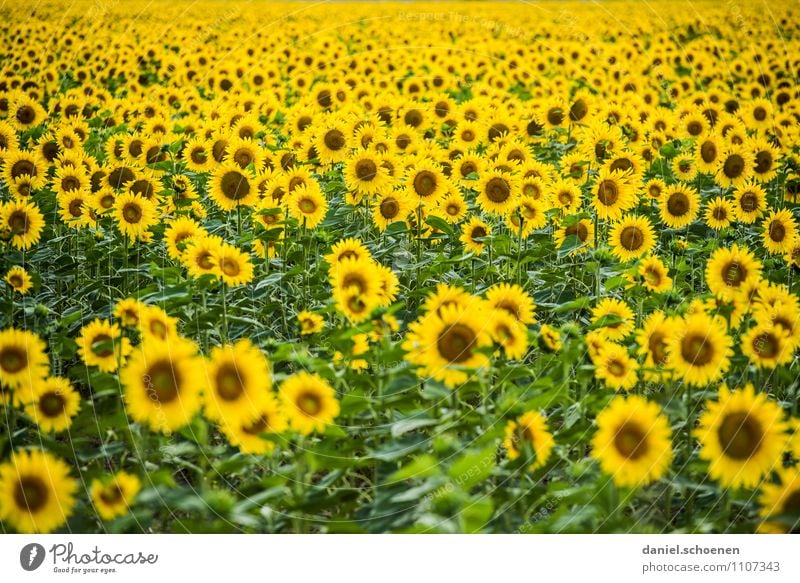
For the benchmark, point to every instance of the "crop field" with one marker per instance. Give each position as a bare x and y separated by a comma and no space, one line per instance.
465,267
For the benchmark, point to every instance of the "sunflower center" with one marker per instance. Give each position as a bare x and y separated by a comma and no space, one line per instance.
748,202
26,114
23,167
456,342
229,383
198,156
132,213
468,135
230,266
708,152
70,183
425,183
578,110
307,206
234,186
777,232
497,131
734,166
52,404
258,426
760,113
497,190
13,359
75,207
734,274
766,345
631,238
763,162
607,192
658,348
616,368
696,350
205,261
15,281
112,494
120,176
163,382
678,204
740,436
31,494
719,213
555,116
631,441
243,158
101,345
310,404
334,140
478,232
366,170
695,128
18,221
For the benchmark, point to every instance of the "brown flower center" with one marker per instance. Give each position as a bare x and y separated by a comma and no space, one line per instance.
455,343
31,494
234,185
631,441
740,436
229,383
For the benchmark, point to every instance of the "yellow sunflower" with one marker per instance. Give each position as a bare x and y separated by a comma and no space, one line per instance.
473,234
238,382
615,367
509,333
513,299
768,345
700,351
779,231
529,430
248,436
497,192
37,494
780,502
232,187
308,205
162,383
134,215
19,280
631,237
113,495
750,202
310,323
742,436
23,361
54,402
678,206
612,195
23,221
655,275
729,270
309,402
617,310
101,344
653,341
633,441
233,265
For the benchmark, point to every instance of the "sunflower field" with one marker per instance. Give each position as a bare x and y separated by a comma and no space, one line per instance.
334,267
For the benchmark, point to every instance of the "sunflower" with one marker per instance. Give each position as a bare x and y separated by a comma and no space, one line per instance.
26,113
247,435
365,173
53,403
612,195
766,156
23,361
719,213
238,382
200,256
781,500
101,344
113,495
549,339
357,274
197,154
779,231
655,275
767,345
529,429
583,229
472,234
735,167
390,207
309,402
19,163
355,305
129,310
331,142
75,209
134,215
232,187
655,188
512,299
161,382
530,215
37,493
700,349
742,436
447,344
633,441
453,207
155,323
509,333
308,205
678,206
653,341
497,192
750,202
631,237
23,221
706,153
19,280
728,270
615,367
345,249
310,323
179,233
448,295
426,183
612,308
233,265
566,196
